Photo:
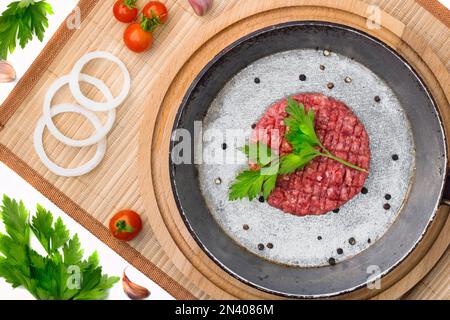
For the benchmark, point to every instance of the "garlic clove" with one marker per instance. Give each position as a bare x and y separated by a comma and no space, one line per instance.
7,72
201,6
133,290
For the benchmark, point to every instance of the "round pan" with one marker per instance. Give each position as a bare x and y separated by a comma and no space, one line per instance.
419,207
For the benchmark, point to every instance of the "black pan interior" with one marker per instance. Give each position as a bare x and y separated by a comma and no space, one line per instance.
418,211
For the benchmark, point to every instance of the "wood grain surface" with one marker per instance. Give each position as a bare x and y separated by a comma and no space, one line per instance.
134,173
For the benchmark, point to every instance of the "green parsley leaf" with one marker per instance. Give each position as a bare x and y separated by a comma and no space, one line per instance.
21,21
100,290
42,227
259,154
302,135
73,254
294,161
301,125
60,235
253,183
47,277
51,238
15,217
11,274
244,182
92,261
269,185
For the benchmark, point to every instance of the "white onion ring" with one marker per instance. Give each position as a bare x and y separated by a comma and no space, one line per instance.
91,104
72,172
100,133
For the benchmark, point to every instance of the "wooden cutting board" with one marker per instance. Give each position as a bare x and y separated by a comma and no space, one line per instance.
134,173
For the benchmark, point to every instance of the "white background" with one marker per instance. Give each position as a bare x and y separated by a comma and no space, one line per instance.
12,185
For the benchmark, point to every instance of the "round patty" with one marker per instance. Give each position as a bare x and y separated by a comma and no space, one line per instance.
324,184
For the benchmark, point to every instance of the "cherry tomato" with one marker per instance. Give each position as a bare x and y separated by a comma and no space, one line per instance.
156,10
125,225
125,10
136,38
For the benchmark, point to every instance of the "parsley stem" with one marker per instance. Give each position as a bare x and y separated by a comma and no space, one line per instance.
328,154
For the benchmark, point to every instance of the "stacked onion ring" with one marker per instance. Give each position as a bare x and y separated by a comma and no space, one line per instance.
87,108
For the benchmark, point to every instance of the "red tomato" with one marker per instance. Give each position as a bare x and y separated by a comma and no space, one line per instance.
125,225
156,10
125,10
137,39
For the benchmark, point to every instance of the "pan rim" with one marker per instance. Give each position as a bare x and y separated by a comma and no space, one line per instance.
269,29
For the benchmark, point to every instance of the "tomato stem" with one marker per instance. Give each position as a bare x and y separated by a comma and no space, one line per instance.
149,24
130,4
123,226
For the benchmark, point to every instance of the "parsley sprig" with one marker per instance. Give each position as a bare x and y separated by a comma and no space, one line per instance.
302,135
20,22
251,183
306,146
52,276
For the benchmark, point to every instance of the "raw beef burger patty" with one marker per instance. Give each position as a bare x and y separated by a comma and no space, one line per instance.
324,184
